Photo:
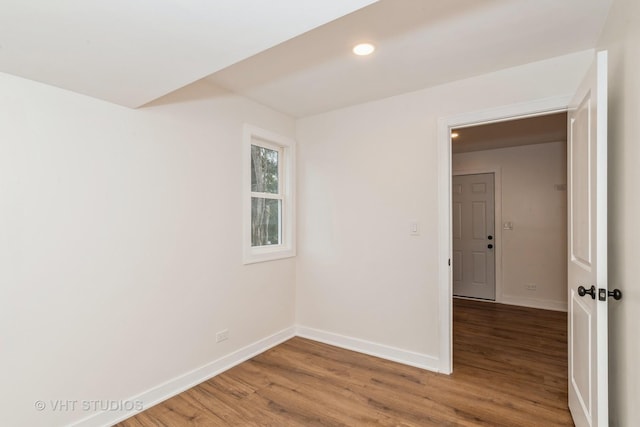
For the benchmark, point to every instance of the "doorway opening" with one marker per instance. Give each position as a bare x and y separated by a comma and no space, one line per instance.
509,211
505,113
509,251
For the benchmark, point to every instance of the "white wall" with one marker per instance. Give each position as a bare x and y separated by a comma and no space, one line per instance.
120,245
621,37
365,173
535,251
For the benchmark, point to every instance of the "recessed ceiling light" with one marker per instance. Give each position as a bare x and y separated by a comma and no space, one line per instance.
363,49
454,134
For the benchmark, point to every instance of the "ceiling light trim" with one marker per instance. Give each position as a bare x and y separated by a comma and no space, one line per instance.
364,49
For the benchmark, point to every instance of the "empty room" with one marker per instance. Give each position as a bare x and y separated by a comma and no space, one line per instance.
245,213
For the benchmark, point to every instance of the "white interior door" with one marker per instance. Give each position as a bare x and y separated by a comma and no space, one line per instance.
587,227
473,214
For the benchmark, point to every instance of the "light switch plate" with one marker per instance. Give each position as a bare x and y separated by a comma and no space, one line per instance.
414,230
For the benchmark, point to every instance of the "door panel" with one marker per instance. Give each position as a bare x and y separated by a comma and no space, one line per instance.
480,187
581,367
581,146
479,268
457,221
587,260
473,223
479,220
457,266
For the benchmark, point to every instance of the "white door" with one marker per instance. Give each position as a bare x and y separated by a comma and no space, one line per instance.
587,227
473,236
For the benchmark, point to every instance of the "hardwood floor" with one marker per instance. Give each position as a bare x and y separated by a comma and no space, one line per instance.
510,369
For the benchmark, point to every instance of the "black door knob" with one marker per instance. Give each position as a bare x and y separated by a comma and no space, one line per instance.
490,246
616,294
490,237
582,291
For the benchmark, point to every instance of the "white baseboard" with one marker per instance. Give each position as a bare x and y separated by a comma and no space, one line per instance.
394,354
184,382
534,303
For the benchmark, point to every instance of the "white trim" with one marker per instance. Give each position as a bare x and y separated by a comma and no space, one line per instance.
418,360
445,245
184,382
287,178
497,219
534,303
508,112
602,237
505,113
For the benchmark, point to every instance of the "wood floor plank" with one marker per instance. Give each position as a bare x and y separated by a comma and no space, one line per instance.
510,369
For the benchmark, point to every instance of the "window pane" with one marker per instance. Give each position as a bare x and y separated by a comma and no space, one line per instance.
264,170
265,221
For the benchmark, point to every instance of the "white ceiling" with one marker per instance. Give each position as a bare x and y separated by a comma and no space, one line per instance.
131,52
420,43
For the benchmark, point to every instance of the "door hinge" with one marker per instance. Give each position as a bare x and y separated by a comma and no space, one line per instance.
449,262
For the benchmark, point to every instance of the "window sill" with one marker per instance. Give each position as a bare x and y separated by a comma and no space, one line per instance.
263,255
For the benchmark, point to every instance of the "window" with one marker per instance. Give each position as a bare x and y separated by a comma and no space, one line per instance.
269,221
266,194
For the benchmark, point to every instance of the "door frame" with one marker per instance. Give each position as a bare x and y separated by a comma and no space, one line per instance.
445,242
497,219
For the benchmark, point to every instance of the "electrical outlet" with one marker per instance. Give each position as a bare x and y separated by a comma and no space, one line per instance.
222,335
531,287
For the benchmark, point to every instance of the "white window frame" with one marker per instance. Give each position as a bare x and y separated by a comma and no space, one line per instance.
286,148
